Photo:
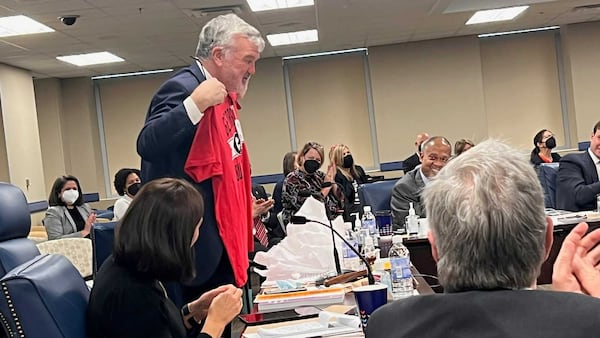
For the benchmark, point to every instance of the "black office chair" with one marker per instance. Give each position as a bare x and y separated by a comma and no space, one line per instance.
15,224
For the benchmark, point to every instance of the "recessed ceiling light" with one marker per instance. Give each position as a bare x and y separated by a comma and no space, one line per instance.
266,5
293,37
493,15
487,35
90,59
21,25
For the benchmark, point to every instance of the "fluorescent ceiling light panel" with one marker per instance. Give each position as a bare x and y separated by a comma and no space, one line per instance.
90,59
493,15
267,5
146,72
21,25
291,38
487,35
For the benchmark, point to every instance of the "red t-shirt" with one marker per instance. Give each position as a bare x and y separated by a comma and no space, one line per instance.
219,153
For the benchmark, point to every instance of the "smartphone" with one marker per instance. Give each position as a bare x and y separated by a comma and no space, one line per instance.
260,318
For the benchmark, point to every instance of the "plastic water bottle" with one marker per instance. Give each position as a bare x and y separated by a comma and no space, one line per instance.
350,259
412,222
368,221
402,284
598,203
368,251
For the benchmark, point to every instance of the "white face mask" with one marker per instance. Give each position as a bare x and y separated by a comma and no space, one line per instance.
70,196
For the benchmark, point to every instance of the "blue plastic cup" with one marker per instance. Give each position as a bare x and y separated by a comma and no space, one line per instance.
368,299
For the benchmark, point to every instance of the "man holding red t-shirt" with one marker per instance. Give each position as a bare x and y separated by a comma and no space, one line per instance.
194,114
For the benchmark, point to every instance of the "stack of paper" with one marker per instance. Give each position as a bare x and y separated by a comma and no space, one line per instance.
290,300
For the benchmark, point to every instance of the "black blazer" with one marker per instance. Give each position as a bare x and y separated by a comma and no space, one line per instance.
410,163
274,230
577,183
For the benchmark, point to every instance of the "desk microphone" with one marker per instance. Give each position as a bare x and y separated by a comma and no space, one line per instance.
318,195
304,220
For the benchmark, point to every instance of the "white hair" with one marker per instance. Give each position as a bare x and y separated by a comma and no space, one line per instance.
220,31
486,212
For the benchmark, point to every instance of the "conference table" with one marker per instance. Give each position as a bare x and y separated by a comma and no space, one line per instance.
422,287
420,250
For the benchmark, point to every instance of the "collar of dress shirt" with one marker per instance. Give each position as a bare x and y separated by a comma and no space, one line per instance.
203,70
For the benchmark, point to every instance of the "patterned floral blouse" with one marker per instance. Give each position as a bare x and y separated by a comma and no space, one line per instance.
298,185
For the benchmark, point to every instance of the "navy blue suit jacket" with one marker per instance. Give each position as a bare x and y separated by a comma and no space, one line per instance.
164,144
577,184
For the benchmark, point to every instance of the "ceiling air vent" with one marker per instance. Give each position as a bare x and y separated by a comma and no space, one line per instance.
214,11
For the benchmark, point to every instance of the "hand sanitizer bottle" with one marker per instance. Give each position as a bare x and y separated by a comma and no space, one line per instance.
412,221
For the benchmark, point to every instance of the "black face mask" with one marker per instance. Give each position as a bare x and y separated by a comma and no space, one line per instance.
134,188
311,166
348,161
551,143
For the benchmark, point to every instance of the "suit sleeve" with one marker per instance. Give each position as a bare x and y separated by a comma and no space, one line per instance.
167,124
402,195
572,184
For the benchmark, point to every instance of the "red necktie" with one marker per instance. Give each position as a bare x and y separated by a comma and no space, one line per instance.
261,231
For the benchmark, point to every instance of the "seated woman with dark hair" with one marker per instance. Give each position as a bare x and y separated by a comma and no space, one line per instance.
307,181
349,176
153,245
544,142
289,164
67,215
127,184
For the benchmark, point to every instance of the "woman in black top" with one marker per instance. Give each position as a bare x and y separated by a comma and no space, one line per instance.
153,245
544,142
348,176
289,164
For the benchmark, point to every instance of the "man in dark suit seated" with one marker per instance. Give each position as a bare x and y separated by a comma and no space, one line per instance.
577,181
414,160
490,236
436,151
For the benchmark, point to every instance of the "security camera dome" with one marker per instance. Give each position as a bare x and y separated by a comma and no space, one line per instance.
69,20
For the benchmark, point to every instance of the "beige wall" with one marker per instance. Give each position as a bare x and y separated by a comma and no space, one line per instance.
264,118
4,174
123,116
433,86
458,87
21,134
49,98
330,105
582,50
80,134
521,90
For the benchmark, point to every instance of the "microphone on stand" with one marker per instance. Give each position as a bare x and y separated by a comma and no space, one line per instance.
304,220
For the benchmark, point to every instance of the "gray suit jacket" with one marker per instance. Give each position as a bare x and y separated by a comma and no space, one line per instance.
407,189
59,223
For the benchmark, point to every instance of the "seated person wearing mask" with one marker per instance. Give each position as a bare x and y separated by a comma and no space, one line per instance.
544,141
348,176
68,215
307,181
127,184
490,236
577,181
435,153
